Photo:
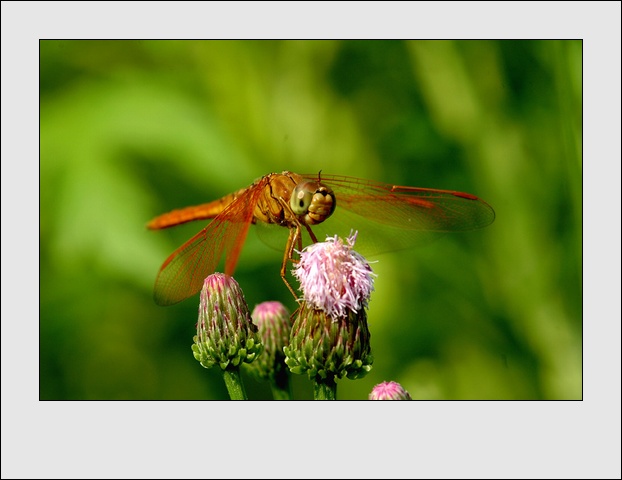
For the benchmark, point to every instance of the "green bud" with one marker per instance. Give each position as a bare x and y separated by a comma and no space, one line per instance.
273,321
226,335
325,347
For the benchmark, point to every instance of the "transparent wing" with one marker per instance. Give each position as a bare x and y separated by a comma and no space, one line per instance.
184,271
391,217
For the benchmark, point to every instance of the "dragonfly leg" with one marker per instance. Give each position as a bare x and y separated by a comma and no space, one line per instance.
311,234
293,240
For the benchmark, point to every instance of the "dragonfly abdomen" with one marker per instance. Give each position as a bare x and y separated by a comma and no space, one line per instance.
189,214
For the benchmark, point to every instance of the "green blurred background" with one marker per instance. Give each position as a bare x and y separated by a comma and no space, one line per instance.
132,129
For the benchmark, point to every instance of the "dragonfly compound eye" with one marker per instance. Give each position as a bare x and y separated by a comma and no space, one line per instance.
301,198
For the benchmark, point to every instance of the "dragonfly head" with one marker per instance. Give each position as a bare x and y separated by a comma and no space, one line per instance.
312,202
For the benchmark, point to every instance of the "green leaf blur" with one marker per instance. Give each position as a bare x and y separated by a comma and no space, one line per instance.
133,129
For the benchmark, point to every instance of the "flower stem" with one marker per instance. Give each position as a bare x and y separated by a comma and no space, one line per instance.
233,380
325,389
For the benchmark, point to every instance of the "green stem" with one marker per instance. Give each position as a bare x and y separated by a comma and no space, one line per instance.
325,389
233,380
281,387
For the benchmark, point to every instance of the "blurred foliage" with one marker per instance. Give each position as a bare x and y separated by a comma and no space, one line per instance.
132,129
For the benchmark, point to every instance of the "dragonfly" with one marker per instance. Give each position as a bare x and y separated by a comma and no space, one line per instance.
387,218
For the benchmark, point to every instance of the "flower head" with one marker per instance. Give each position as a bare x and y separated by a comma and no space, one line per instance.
327,348
389,391
273,321
335,278
226,334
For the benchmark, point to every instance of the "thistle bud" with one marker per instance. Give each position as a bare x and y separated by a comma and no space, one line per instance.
226,335
324,347
272,320
389,391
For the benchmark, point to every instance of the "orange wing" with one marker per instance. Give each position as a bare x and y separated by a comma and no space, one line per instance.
183,273
392,217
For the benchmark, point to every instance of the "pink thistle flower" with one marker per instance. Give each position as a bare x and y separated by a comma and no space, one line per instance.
335,278
389,391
